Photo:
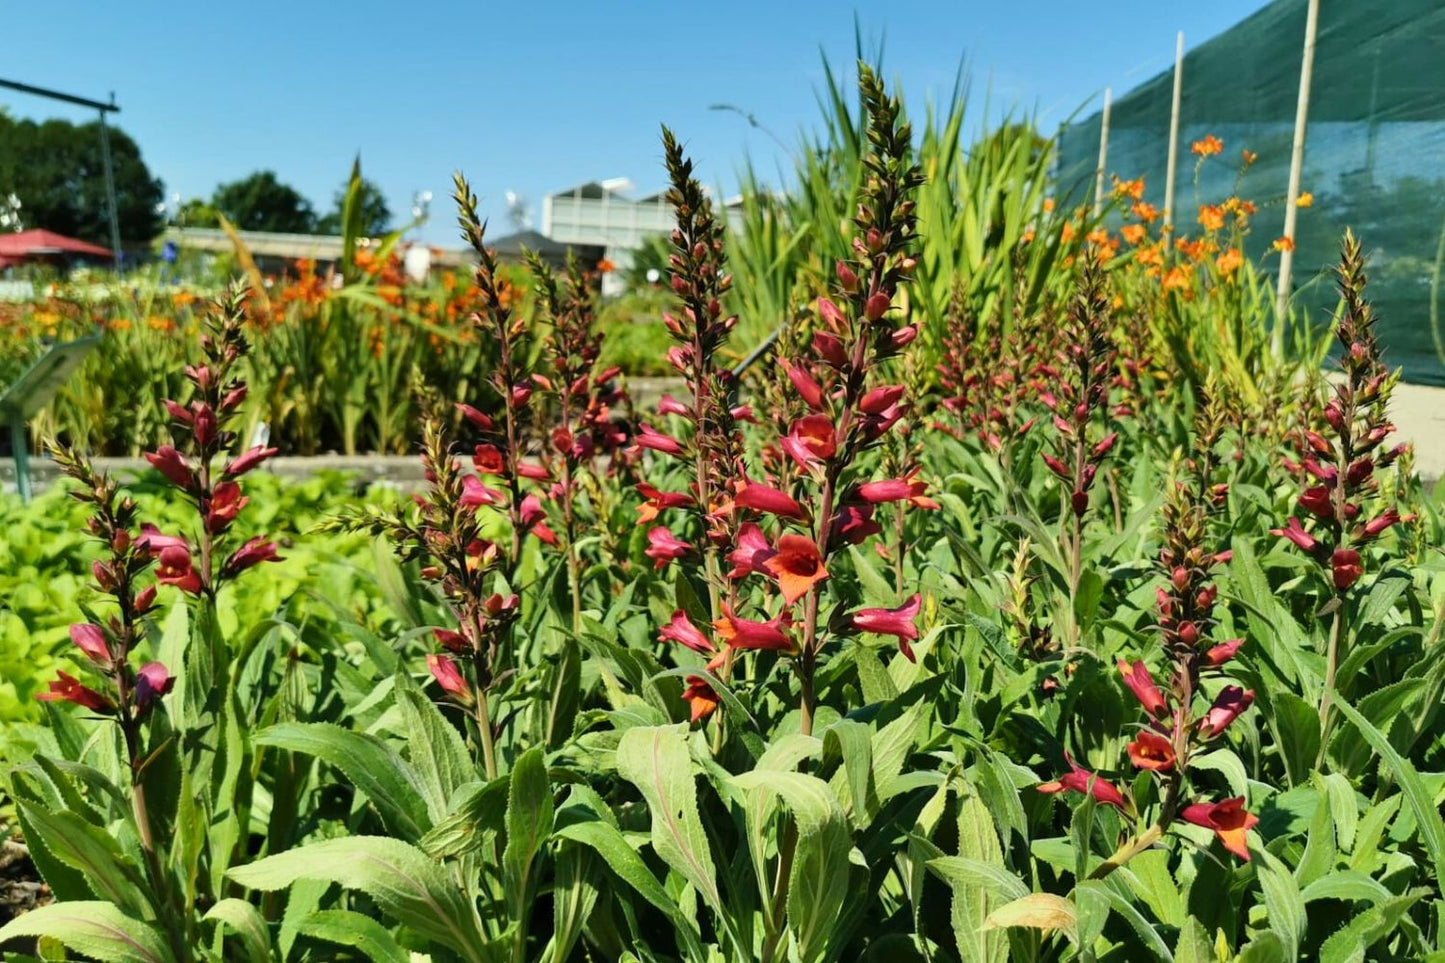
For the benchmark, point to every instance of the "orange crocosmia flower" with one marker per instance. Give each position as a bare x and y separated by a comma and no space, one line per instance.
1305,199
1229,262
1133,233
1211,217
1283,244
605,266
1098,236
1149,255
1249,157
1177,278
1068,232
1132,189
798,566
1048,204
1145,211
1028,236
1194,250
1207,147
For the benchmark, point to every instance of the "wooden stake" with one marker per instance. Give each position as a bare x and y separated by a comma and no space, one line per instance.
1103,153
1296,163
1174,133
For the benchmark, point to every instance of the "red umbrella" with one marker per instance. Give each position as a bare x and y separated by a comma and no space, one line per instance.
26,245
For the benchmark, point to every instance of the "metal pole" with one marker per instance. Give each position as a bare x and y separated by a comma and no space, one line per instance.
1103,153
1174,132
1296,162
110,189
20,449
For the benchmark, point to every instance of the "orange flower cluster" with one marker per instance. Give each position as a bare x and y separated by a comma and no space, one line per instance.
1207,147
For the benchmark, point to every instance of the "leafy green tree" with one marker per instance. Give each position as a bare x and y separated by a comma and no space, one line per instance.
261,202
375,214
56,170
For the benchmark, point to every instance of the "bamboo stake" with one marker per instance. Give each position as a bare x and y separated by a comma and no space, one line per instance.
1103,153
1174,133
1296,163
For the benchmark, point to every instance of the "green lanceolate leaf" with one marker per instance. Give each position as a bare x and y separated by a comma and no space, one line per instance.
819,881
96,929
1432,827
655,760
972,898
1287,915
434,748
363,933
529,825
383,776
407,885
93,853
246,922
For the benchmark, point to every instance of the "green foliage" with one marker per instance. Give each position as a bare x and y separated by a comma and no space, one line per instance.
261,202
55,168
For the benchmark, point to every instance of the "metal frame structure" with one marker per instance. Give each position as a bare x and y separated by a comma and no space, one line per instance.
102,108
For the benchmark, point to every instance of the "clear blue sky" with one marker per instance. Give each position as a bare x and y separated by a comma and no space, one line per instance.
537,96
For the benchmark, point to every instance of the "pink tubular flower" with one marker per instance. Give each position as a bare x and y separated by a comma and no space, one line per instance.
67,688
1080,780
762,498
657,501
752,552
831,313
173,567
681,630
152,682
488,460
1149,750
854,523
798,566
1316,500
806,387
647,437
895,490
475,494
1229,820
880,399
1222,653
529,470
829,347
247,461
1231,701
171,464
451,640
701,698
1380,523
476,417
226,503
533,517
1141,683
749,634
253,553
663,546
450,678
671,406
895,622
1296,533
90,639
1345,567
811,439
